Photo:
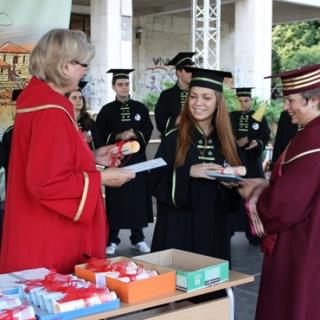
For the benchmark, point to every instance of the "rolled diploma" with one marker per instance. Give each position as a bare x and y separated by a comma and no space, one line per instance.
237,170
127,148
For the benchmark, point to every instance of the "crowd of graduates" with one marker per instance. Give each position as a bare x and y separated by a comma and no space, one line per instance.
55,146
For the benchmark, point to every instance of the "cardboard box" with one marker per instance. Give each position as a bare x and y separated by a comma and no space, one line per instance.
194,271
137,291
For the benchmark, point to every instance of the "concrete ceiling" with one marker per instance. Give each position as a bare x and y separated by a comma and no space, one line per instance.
284,11
154,7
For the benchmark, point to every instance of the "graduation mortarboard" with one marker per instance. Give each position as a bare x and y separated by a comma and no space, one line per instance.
15,94
244,92
120,73
182,59
299,80
212,79
82,84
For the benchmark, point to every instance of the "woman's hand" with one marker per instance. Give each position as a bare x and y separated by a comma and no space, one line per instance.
200,170
105,156
116,177
252,187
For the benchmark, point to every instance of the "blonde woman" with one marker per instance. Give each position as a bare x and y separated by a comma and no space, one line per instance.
54,213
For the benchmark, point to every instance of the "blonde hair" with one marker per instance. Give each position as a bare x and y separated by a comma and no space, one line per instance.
56,48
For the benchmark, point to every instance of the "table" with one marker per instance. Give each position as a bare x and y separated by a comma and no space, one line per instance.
172,307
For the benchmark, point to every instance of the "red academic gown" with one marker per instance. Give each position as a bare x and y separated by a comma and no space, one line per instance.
54,211
290,207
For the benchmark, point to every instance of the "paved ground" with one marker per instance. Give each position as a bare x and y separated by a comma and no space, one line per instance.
245,258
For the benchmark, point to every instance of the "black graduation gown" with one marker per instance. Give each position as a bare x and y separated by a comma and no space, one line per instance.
88,126
244,125
285,132
193,213
6,143
168,108
129,206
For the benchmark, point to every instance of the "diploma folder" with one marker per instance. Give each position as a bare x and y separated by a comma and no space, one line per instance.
224,177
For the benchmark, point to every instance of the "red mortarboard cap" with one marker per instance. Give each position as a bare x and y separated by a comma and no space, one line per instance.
212,79
182,59
244,92
299,80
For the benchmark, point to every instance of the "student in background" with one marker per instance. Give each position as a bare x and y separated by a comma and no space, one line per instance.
121,120
252,133
171,101
84,121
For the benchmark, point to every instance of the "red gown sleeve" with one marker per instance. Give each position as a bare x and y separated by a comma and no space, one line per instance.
61,172
291,197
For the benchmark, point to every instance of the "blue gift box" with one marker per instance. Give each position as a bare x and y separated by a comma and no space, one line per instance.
75,314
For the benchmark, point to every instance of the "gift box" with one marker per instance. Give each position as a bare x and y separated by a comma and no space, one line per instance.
137,291
194,271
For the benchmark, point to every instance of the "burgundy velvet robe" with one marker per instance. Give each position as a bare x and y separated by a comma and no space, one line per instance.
290,207
54,211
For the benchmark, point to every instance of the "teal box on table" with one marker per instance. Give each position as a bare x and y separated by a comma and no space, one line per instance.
193,271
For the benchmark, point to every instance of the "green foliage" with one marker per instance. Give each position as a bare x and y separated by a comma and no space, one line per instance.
273,107
302,57
231,99
150,100
295,45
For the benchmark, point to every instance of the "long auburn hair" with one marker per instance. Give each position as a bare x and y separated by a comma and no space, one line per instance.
222,126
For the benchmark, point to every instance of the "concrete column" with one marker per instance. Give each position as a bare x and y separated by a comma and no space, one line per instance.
253,45
111,34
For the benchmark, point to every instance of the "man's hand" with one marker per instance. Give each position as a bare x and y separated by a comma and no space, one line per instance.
127,135
253,144
242,142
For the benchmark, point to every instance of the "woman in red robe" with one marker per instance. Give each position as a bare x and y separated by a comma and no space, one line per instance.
289,209
54,214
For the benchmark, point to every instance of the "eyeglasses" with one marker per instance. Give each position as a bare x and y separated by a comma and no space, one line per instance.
84,65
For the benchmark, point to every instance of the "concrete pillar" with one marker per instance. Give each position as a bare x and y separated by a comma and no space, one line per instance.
253,45
111,34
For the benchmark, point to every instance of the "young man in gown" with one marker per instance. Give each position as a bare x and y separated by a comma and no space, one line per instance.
121,120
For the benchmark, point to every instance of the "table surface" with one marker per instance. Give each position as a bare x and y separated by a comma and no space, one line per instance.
235,279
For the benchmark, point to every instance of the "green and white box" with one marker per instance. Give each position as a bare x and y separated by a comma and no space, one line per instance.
194,271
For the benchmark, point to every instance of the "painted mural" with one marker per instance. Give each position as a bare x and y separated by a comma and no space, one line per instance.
22,23
14,60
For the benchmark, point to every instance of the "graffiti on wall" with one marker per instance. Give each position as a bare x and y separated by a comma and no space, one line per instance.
158,78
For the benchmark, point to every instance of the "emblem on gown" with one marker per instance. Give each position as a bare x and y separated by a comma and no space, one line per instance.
255,126
137,117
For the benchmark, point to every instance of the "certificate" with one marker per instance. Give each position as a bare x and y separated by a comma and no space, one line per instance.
146,165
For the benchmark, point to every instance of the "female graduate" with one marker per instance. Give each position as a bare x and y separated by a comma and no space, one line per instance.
192,207
54,212
289,208
84,121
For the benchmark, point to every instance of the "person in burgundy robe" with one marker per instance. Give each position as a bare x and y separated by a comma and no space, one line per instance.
54,212
289,209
